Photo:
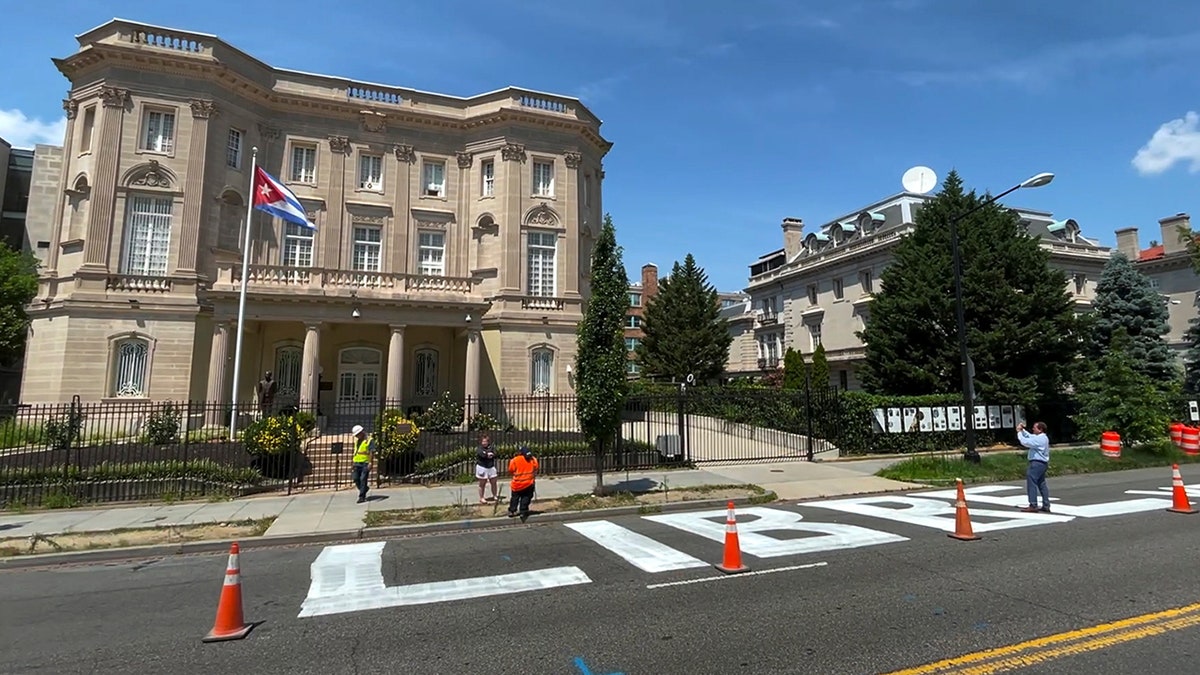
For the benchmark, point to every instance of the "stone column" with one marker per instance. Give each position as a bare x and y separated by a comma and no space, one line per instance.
474,356
71,107
400,245
395,367
335,227
568,272
513,268
216,374
104,187
193,190
458,233
310,369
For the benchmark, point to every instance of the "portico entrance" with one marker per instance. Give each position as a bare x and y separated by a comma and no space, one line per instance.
359,372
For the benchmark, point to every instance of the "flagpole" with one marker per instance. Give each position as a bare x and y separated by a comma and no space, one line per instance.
241,317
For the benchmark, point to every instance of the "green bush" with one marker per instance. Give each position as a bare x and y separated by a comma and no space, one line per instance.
63,431
14,434
483,422
443,415
202,469
307,421
273,436
162,427
394,433
856,434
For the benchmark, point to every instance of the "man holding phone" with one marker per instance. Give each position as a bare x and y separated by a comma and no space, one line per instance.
1038,445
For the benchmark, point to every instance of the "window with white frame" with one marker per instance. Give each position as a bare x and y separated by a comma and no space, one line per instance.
370,172
541,371
770,346
297,246
814,335
431,254
368,248
233,149
542,250
147,235
304,164
488,170
426,373
631,344
633,367
633,321
543,179
635,299
131,365
434,174
158,131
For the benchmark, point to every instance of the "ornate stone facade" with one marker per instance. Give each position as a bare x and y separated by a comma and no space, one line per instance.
416,280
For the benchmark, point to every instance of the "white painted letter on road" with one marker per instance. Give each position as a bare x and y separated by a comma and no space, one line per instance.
349,578
989,494
933,513
638,550
754,541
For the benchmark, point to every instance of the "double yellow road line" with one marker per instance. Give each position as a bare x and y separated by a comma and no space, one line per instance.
1070,643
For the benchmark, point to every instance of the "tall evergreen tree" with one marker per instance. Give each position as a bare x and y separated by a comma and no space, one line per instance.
1116,397
819,370
794,369
685,333
18,286
1020,319
1126,299
600,360
1191,358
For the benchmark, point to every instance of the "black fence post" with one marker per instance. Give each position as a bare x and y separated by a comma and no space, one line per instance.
187,432
808,414
681,419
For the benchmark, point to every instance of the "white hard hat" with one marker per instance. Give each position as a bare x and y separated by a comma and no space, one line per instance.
357,429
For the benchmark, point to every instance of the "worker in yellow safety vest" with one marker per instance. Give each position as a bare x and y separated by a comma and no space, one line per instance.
364,447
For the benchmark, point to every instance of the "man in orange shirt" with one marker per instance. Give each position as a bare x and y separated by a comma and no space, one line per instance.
523,469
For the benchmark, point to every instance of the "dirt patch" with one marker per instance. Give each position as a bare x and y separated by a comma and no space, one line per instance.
648,501
90,541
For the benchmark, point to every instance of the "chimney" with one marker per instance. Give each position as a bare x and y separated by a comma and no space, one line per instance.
793,236
1171,241
1127,242
649,282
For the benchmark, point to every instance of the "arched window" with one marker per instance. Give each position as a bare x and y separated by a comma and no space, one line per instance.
131,365
541,370
426,383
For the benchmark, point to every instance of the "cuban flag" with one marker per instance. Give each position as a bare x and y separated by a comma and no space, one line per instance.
276,199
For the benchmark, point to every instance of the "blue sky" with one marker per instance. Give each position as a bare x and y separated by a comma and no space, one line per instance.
727,120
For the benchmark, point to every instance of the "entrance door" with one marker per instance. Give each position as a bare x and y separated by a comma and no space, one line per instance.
358,385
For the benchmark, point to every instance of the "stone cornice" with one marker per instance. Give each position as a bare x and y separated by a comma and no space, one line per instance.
349,110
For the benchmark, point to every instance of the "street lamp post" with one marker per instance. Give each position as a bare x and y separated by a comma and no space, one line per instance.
968,368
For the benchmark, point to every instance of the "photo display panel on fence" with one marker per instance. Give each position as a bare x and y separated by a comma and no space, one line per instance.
948,418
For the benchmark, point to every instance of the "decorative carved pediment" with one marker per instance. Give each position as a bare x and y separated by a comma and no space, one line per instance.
151,175
430,218
513,152
369,214
542,216
405,153
373,122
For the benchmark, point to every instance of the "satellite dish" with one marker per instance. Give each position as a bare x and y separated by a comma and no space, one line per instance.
919,180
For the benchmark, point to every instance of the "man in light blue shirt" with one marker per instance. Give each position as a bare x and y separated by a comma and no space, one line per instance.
1039,460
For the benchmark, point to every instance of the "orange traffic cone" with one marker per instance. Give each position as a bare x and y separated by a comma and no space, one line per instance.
962,519
733,550
1179,498
230,624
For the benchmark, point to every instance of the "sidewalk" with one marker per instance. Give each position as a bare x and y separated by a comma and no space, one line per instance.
327,511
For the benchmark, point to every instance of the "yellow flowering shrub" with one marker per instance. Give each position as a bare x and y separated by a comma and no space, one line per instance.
278,435
394,433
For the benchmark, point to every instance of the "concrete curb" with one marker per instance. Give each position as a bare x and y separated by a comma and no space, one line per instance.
358,534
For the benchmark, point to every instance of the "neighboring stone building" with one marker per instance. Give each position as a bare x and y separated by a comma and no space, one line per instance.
817,288
450,253
1169,267
16,168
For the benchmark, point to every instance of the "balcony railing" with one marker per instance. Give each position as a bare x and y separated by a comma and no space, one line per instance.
769,363
541,302
271,277
133,283
768,318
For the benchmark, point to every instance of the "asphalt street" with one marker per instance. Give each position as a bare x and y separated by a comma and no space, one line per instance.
876,608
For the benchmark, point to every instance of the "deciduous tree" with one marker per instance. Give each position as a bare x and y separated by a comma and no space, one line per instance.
18,286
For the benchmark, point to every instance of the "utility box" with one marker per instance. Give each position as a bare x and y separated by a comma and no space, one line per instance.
668,446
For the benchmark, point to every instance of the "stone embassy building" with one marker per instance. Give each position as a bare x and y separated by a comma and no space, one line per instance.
451,250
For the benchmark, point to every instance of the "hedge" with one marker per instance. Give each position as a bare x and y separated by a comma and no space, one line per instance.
507,451
202,469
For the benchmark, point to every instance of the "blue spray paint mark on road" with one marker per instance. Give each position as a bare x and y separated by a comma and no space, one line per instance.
584,670
506,558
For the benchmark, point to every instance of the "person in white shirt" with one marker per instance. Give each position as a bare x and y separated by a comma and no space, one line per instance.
1039,461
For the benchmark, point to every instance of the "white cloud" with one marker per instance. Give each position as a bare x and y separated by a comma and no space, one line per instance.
22,131
1175,142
